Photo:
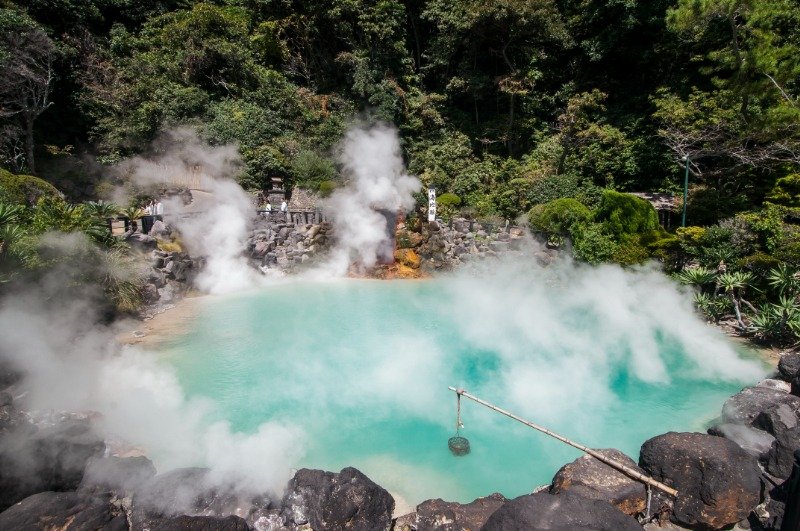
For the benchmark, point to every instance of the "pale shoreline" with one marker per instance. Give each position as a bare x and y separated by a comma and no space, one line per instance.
164,325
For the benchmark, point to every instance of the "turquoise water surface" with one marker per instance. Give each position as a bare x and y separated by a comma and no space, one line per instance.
362,367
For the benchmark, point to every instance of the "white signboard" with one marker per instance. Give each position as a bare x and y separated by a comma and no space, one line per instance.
431,204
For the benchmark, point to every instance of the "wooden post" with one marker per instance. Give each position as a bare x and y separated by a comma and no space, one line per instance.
628,471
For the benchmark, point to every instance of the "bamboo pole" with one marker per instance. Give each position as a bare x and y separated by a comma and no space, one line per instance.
610,462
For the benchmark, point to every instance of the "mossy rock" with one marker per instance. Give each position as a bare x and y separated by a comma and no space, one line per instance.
24,189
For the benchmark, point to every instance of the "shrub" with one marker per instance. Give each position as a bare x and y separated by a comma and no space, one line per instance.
759,263
326,188
630,252
544,190
624,214
786,191
592,244
309,169
24,189
448,200
558,217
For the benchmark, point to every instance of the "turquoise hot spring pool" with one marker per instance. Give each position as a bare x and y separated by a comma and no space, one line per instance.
362,368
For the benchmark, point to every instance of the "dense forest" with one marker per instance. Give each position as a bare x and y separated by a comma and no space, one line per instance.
548,108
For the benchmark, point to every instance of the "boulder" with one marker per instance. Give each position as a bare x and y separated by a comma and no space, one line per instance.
117,475
325,500
778,385
64,511
591,478
789,370
775,412
745,406
782,422
439,515
718,482
202,523
558,511
34,460
754,441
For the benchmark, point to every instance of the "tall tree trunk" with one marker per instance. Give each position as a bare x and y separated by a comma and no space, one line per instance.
737,311
29,144
511,126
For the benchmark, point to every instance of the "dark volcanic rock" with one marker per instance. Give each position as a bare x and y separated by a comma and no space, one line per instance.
752,440
591,478
63,511
326,500
117,475
745,406
202,523
718,482
34,461
782,422
775,413
789,369
190,492
558,511
439,515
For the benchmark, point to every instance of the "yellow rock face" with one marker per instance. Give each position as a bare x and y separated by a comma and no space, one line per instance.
407,258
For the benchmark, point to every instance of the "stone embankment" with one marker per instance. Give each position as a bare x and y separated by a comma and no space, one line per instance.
277,246
288,248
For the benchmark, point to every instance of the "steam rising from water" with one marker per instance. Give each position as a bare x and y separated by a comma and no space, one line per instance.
216,224
373,163
72,364
579,321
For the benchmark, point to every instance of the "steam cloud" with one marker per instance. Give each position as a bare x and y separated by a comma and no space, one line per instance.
70,363
372,161
545,325
215,225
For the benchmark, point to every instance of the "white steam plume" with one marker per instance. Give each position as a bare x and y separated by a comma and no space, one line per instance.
574,321
377,181
215,224
71,364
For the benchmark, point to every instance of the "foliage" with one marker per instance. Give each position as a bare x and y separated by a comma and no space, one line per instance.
592,244
24,189
624,214
786,191
558,216
310,170
448,200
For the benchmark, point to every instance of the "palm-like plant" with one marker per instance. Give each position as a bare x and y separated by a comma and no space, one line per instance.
133,213
101,210
712,306
696,276
784,279
734,284
778,321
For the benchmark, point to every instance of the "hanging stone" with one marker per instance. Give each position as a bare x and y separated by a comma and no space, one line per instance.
458,445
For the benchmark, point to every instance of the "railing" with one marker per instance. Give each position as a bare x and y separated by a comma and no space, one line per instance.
296,217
